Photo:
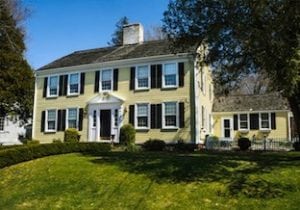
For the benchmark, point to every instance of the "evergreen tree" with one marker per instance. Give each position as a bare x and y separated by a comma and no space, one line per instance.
16,76
117,36
243,37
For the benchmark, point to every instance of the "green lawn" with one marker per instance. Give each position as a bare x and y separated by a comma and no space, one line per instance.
154,181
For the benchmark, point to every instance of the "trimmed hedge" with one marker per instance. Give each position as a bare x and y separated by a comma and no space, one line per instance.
20,154
181,146
154,145
244,143
71,135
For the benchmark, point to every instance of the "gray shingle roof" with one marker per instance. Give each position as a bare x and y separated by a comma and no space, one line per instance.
271,101
98,55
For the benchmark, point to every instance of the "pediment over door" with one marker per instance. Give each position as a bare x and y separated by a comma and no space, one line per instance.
106,98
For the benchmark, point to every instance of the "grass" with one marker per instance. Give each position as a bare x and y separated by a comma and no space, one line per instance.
121,180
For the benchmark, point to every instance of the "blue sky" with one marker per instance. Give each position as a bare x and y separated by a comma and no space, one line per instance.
58,27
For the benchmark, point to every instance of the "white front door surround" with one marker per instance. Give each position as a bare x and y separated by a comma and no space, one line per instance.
102,103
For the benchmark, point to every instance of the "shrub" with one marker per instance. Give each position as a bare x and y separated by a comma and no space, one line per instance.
244,143
154,145
296,145
181,146
23,153
71,135
127,135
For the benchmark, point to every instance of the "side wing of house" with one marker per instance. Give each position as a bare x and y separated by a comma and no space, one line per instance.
253,125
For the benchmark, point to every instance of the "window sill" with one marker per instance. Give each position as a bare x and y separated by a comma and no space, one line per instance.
169,129
73,95
50,132
267,130
141,89
52,97
244,130
169,87
141,129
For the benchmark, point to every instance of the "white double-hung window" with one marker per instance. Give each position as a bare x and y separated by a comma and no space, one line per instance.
243,122
51,116
142,77
74,81
265,121
170,115
72,119
106,80
52,86
170,75
142,116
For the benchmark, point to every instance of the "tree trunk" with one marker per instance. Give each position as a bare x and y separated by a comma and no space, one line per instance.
294,102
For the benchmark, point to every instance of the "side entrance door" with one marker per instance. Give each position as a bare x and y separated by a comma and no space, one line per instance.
105,124
227,128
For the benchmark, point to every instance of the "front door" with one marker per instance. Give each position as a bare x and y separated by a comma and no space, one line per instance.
105,124
227,128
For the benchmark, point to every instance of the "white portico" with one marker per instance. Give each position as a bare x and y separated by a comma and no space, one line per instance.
105,114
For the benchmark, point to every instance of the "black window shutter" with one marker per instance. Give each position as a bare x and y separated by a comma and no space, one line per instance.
273,120
158,116
63,120
82,83
181,115
97,79
59,120
61,85
158,75
153,76
43,121
132,78
80,119
181,74
153,116
131,114
254,121
116,78
235,122
45,87
65,85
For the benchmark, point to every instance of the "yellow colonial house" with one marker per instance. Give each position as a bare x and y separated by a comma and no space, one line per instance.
160,90
253,116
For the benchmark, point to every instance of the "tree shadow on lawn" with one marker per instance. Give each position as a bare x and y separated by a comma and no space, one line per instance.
232,169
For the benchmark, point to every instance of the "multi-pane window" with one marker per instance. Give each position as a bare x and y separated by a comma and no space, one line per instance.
94,118
72,118
116,117
106,80
53,86
244,121
170,75
264,121
142,75
73,84
2,120
170,114
142,115
51,120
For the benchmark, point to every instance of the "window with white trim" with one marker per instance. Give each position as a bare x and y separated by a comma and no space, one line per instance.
170,115
142,116
265,121
2,121
142,77
73,85
52,86
106,80
51,119
170,75
72,119
243,122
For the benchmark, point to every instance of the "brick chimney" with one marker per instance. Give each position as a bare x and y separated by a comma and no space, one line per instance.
133,34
